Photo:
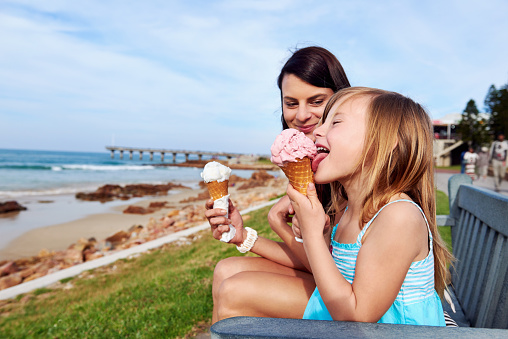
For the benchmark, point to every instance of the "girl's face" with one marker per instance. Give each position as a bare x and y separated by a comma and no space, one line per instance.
340,140
303,104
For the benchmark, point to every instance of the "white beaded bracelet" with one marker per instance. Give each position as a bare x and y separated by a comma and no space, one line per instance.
247,244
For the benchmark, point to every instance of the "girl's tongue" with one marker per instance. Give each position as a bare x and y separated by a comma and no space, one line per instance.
317,159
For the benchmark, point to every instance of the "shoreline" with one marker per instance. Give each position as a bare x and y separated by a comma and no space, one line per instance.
59,236
233,166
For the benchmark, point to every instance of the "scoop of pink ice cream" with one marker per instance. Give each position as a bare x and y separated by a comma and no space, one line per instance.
290,145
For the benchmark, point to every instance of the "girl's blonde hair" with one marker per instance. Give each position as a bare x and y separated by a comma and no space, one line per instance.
397,158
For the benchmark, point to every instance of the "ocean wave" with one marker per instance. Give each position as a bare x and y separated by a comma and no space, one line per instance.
26,167
45,192
106,167
79,167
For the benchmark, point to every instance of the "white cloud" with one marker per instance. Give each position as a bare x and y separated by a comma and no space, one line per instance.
176,73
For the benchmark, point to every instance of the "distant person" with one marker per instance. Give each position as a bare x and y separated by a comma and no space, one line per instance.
498,153
470,159
482,165
462,163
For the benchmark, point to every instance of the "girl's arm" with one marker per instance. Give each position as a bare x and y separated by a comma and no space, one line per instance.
269,249
397,236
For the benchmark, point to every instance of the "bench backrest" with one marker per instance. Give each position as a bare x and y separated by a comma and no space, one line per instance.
480,245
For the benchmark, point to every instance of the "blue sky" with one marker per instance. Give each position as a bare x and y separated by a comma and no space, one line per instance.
201,75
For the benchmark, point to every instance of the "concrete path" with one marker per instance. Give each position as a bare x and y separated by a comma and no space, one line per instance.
442,177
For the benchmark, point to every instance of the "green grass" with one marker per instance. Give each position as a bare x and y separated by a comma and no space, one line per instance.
442,207
165,293
162,294
454,167
264,161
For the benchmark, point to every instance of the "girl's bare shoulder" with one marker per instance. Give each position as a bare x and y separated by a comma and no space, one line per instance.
401,218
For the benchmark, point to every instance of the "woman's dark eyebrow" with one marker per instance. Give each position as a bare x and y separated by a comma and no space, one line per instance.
288,98
311,98
316,96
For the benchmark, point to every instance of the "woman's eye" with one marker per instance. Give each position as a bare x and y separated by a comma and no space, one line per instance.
291,104
317,102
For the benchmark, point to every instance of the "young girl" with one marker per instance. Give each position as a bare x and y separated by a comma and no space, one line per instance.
387,259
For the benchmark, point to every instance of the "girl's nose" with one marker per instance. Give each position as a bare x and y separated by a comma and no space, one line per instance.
319,131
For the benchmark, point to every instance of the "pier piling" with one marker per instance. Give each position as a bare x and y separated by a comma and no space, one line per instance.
187,153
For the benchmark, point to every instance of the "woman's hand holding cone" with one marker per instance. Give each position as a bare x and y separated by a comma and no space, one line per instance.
220,224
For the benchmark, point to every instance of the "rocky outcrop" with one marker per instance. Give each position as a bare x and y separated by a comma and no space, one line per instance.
153,207
111,192
11,206
17,271
257,179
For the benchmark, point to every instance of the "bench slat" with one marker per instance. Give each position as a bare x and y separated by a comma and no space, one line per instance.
468,258
501,315
482,276
474,284
492,289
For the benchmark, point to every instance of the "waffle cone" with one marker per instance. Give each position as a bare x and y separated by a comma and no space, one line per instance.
217,189
299,174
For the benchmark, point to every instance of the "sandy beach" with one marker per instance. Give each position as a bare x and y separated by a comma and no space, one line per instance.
99,226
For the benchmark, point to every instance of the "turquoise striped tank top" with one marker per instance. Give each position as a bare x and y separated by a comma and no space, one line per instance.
417,302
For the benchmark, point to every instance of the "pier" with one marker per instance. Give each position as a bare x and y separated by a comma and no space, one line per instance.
162,151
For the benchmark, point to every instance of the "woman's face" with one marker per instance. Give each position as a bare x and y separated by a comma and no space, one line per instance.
303,104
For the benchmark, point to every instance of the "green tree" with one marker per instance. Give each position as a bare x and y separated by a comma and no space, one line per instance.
474,127
496,103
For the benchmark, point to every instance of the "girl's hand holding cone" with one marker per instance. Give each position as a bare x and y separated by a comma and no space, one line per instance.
312,218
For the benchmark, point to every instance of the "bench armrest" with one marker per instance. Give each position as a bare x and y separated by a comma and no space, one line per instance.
445,220
252,327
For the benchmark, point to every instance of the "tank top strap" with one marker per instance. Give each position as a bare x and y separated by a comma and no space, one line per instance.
335,227
362,232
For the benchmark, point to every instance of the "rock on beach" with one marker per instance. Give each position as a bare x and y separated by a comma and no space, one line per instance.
11,206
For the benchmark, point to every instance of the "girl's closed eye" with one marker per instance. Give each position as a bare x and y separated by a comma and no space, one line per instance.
336,121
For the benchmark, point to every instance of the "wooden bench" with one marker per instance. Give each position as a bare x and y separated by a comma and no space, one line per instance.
479,288
479,220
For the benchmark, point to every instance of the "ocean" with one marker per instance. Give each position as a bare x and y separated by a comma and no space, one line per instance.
33,173
46,181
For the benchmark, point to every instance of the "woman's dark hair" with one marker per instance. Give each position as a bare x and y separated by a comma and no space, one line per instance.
320,68
316,66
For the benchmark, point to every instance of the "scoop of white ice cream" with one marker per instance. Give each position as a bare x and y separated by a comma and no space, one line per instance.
215,171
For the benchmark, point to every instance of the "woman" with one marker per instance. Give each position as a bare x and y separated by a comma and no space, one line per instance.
307,80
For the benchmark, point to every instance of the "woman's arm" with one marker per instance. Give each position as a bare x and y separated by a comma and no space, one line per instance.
397,236
279,219
269,249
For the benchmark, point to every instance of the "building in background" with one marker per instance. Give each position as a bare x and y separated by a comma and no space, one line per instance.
447,147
